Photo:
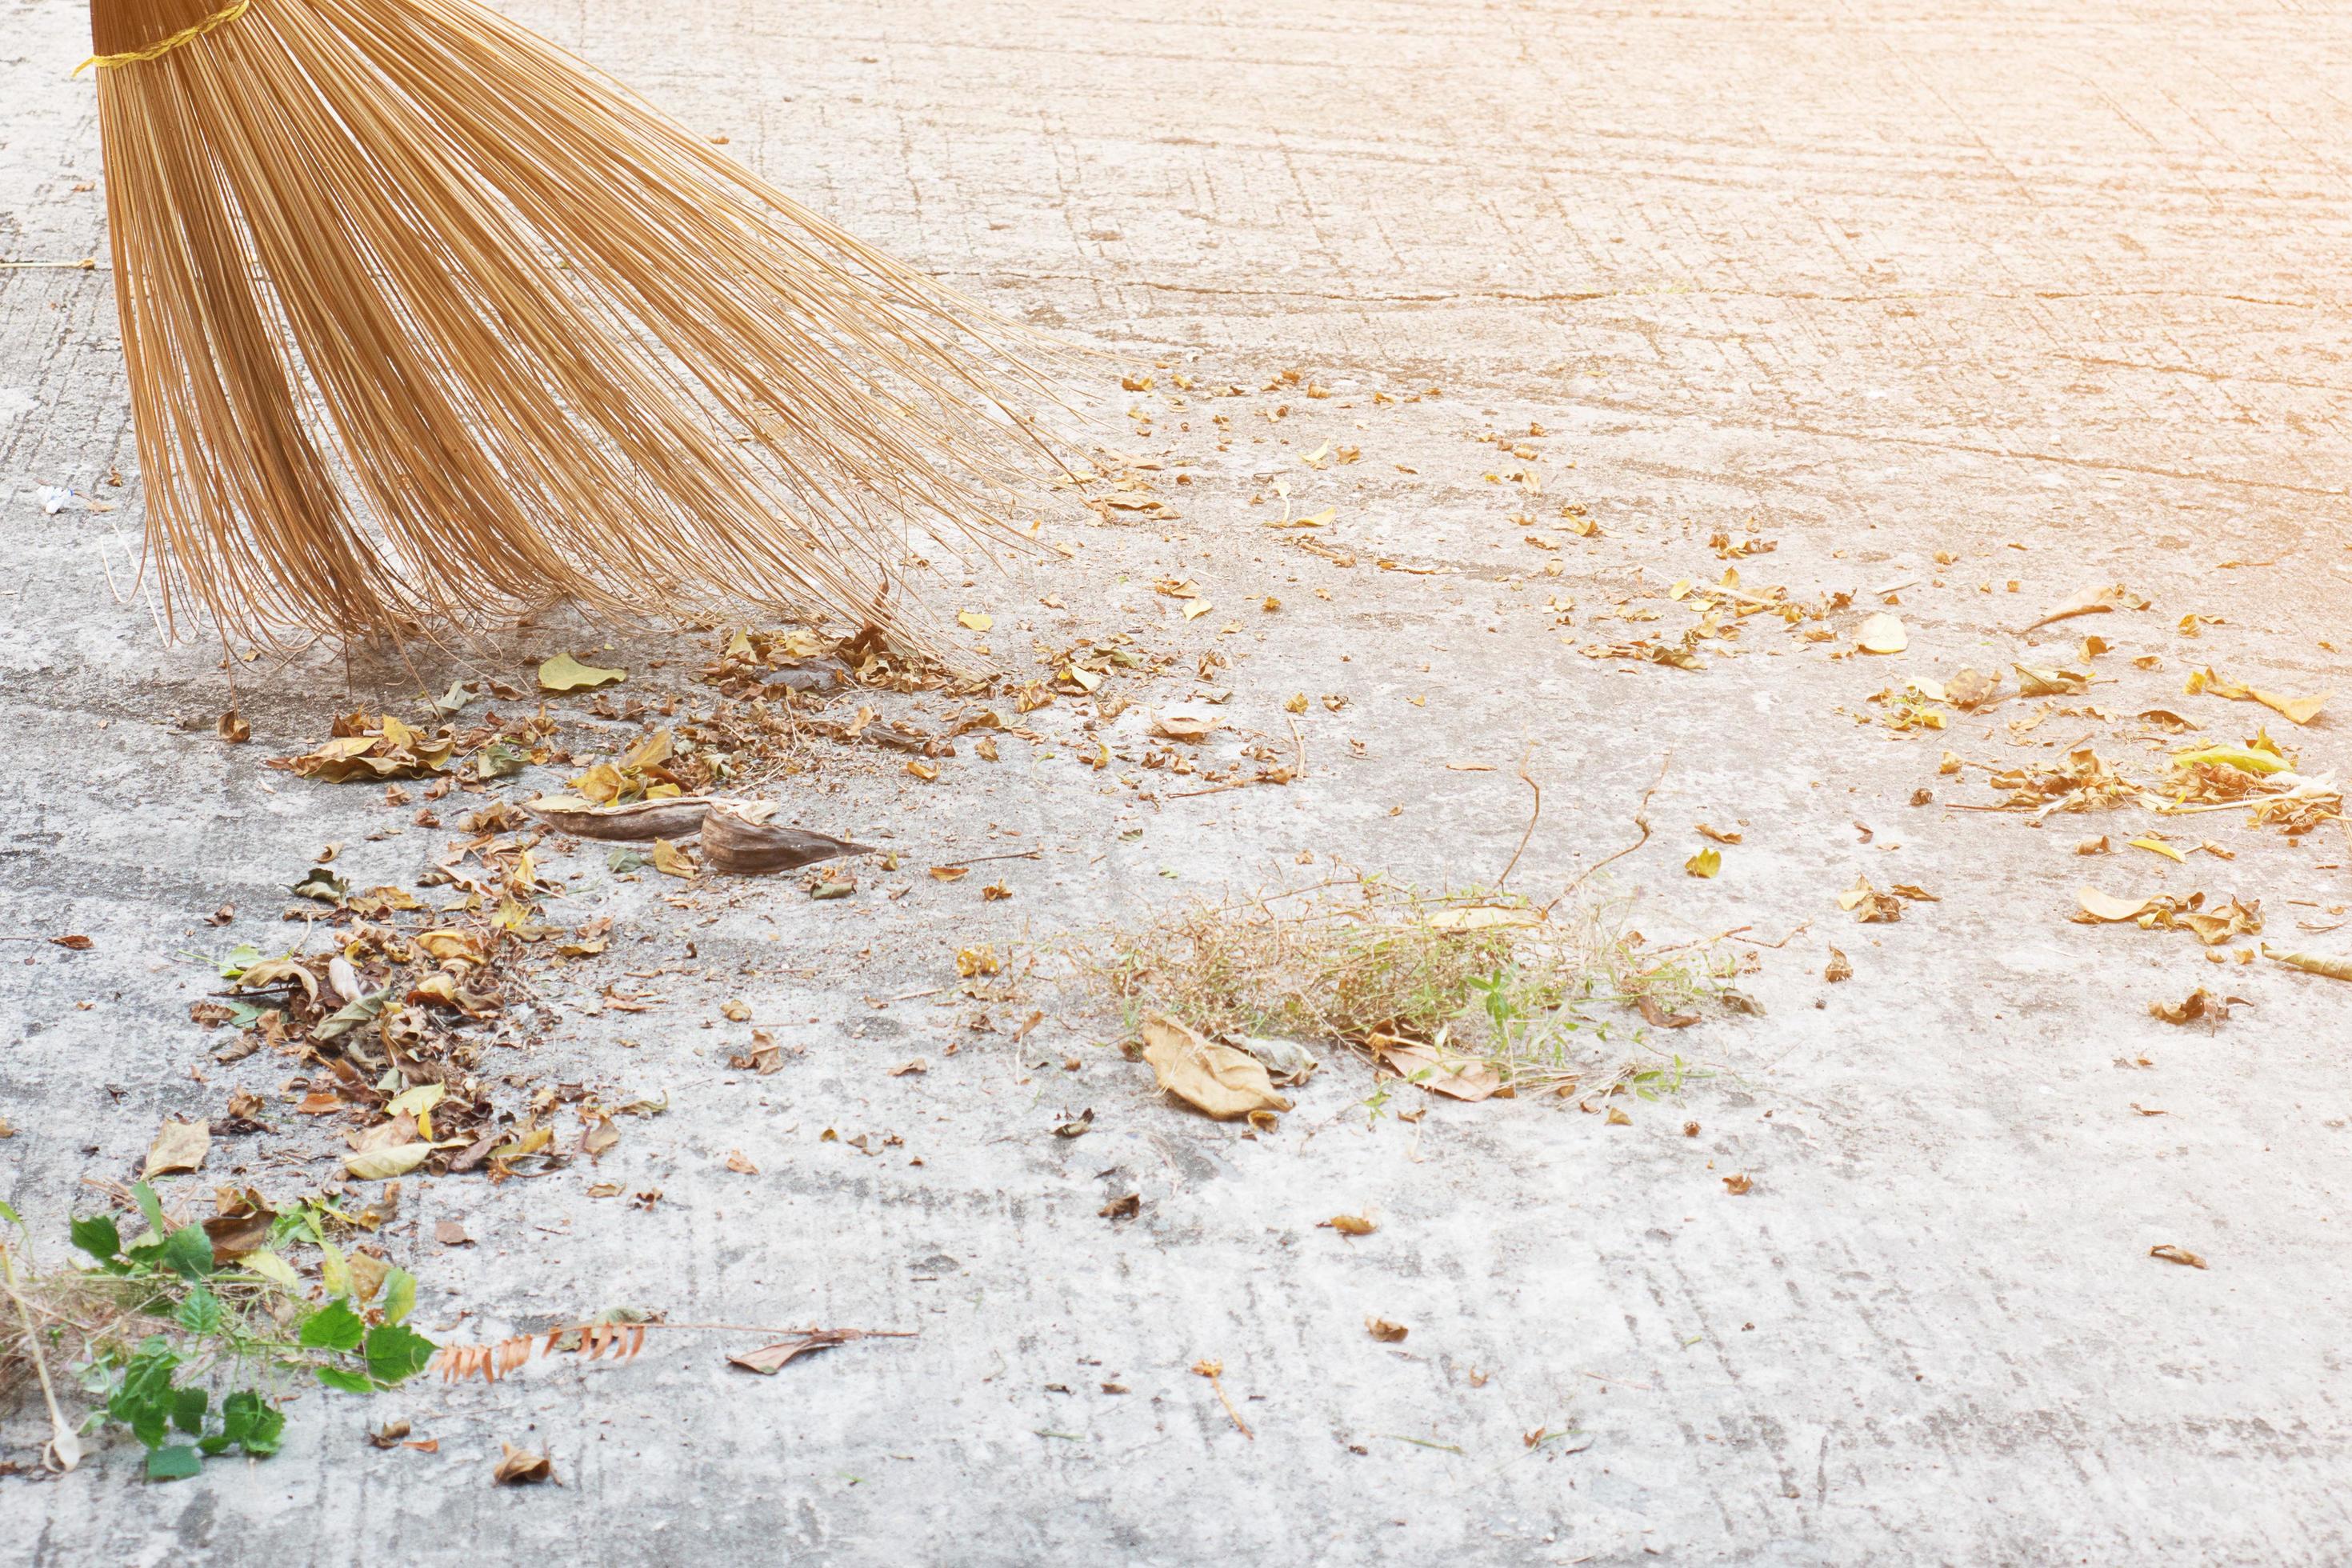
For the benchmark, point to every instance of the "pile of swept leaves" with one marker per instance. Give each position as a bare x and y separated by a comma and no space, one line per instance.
394,1019
1460,988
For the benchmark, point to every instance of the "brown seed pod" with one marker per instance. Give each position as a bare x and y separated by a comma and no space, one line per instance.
736,843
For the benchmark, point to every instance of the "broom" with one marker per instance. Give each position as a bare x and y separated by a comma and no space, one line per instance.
424,321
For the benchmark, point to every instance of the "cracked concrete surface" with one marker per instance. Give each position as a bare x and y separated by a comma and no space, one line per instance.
2062,295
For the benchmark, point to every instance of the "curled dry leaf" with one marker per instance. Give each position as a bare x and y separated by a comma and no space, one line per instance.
2107,907
1708,862
2092,845
521,1467
2098,599
1125,1208
2200,1003
1385,1331
233,729
1658,1017
2172,1253
740,1164
1219,1080
1349,1225
1720,835
1738,1184
1839,967
2333,966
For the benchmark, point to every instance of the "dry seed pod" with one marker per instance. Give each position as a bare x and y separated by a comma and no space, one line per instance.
736,843
636,822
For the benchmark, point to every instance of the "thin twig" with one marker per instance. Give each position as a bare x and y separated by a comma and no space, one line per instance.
1212,1371
1036,854
1641,820
1533,817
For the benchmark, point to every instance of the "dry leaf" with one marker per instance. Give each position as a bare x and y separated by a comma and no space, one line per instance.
565,673
1220,1080
1721,835
1349,1225
770,1359
1839,967
2198,1004
1658,1017
449,1233
949,873
1883,633
2172,1253
735,1011
740,1164
1119,1208
1739,1184
2099,905
178,1146
2328,965
2158,847
2032,682
1706,863
2092,845
975,620
1184,726
519,1467
1967,689
1457,1078
232,727
915,1066
383,1164
2095,600
1387,1332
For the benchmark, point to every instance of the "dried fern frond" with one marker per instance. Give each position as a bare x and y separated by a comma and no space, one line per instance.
425,321
623,1340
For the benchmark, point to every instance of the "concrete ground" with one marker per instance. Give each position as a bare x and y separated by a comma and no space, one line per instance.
1934,297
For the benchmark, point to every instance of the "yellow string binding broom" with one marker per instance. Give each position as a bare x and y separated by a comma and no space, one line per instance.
425,322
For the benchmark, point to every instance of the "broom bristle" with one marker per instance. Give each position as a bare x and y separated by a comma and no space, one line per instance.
425,322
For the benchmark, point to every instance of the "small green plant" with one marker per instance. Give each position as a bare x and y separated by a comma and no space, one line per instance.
190,1356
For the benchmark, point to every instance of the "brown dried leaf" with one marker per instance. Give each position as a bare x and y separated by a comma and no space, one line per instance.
178,1146
2172,1253
1386,1332
1839,967
1349,1225
1224,1082
519,1466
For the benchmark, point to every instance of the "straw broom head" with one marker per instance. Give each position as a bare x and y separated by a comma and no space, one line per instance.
424,321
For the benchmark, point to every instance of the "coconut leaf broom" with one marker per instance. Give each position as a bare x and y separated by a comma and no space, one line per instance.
425,322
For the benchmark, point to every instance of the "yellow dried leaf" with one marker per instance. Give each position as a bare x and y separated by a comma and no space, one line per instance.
381,1165
1706,863
2098,905
565,673
1883,633
2333,967
2158,847
975,620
